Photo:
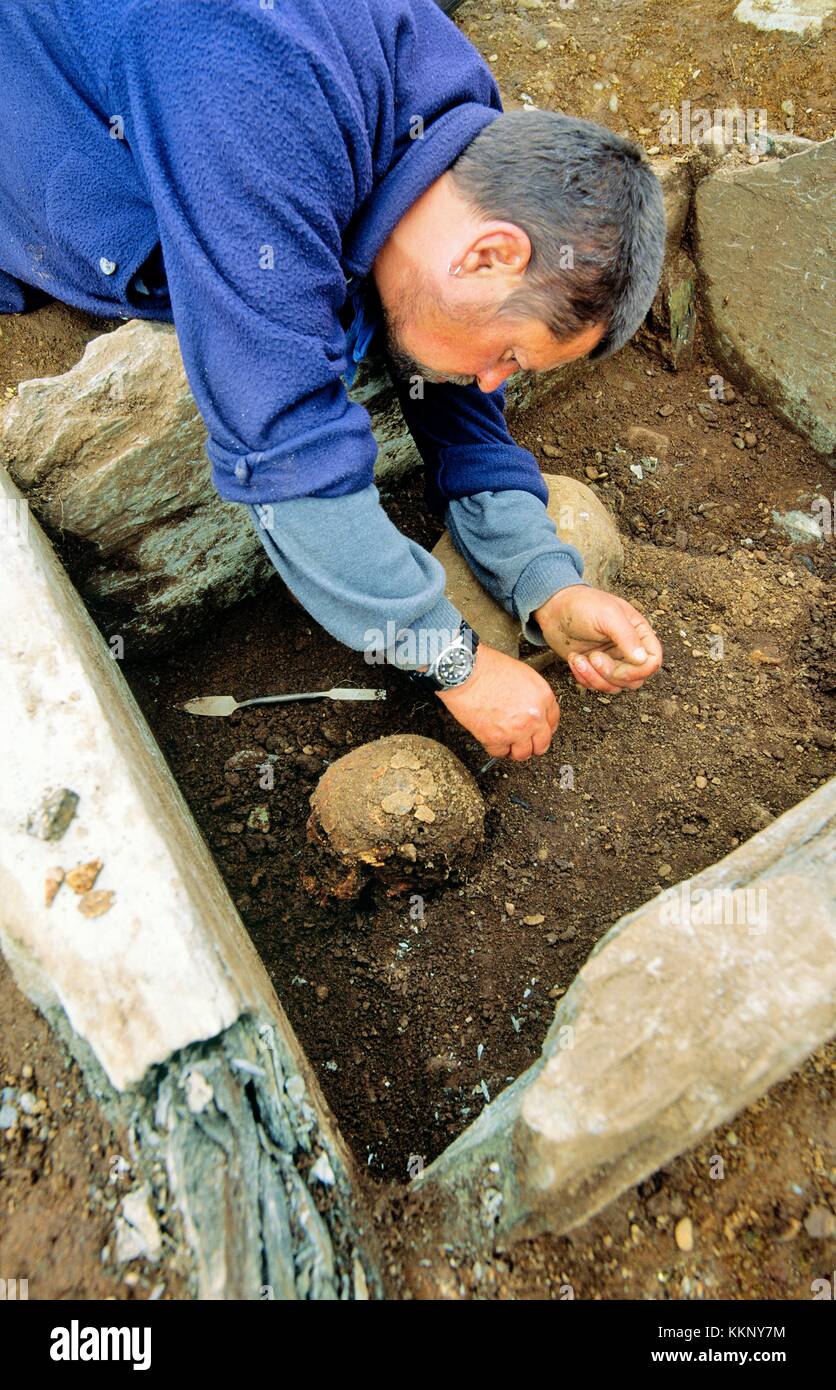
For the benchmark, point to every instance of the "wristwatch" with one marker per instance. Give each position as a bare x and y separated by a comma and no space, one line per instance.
453,665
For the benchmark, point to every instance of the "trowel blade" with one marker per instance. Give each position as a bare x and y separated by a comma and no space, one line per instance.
215,705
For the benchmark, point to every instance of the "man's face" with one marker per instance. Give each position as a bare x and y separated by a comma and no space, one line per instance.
426,338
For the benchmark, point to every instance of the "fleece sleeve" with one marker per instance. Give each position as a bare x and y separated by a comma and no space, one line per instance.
393,609
463,438
252,151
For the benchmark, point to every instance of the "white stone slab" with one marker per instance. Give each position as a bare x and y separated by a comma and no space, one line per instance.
786,16
170,962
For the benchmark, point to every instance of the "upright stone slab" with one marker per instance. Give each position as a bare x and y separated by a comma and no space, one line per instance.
766,236
111,456
685,1013
785,16
141,960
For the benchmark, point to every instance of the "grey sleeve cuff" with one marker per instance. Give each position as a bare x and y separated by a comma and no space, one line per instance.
543,577
511,544
350,567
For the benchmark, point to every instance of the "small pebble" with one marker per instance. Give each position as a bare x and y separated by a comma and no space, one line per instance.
684,1234
54,814
820,1223
83,876
52,882
95,904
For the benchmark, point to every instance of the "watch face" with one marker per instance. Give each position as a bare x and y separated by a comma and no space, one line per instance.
455,666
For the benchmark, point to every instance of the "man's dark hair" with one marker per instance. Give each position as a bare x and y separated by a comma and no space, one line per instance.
593,211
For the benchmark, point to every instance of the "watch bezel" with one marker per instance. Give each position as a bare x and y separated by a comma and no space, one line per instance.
455,665
466,641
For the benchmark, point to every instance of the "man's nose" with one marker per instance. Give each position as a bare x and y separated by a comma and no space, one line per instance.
488,381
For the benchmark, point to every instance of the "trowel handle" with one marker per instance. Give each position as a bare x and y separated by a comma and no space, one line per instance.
281,699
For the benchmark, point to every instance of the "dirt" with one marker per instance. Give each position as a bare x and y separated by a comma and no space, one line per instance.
44,343
750,1191
651,56
63,1172
415,1010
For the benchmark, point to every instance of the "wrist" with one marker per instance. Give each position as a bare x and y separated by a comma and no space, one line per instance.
551,610
453,665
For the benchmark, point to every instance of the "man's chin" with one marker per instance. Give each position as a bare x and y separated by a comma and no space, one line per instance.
436,379
412,371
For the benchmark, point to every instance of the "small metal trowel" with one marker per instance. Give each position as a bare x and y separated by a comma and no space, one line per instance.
218,706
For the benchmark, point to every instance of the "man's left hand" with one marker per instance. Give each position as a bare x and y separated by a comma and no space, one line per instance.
608,645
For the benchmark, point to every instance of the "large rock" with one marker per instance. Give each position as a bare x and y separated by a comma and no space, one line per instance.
111,457
765,248
581,519
685,1013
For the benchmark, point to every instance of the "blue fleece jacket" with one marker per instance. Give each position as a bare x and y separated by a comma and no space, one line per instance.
270,148
267,148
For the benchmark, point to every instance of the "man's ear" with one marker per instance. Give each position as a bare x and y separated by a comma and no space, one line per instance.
500,248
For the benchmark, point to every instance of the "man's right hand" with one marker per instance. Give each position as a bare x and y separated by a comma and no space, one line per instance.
506,705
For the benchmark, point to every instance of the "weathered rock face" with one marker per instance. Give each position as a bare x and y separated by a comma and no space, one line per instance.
581,519
402,808
686,1012
670,325
765,247
676,177
111,457
673,314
